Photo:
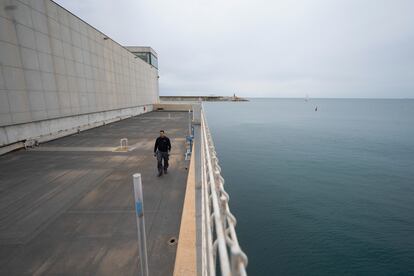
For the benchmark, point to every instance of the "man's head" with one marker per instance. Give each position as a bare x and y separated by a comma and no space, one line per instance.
162,133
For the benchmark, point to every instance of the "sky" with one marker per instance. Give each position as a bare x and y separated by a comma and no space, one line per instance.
265,48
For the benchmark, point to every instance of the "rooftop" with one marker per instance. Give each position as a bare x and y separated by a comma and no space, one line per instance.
67,207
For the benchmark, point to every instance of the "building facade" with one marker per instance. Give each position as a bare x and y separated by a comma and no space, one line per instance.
58,73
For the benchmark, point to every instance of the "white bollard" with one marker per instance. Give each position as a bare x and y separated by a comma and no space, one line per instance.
139,209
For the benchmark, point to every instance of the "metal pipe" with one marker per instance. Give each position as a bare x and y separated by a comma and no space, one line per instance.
139,209
223,256
219,235
210,267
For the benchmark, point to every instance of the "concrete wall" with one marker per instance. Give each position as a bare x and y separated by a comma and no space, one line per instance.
54,65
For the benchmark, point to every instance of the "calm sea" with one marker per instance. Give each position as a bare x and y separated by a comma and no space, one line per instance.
320,193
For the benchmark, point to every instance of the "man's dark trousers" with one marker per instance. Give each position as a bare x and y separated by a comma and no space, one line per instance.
160,156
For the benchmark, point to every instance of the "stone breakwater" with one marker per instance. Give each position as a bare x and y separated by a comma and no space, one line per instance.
203,98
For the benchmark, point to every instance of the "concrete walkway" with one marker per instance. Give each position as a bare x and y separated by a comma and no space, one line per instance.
67,207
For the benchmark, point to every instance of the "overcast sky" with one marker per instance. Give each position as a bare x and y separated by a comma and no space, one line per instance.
323,48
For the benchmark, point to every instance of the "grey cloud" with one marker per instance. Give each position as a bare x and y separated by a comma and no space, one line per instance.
324,48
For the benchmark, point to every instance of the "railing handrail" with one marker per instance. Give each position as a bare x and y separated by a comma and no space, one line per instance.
218,231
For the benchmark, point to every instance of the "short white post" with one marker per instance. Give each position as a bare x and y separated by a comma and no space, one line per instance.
139,209
189,122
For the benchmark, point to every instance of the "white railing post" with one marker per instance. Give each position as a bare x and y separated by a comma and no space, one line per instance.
139,209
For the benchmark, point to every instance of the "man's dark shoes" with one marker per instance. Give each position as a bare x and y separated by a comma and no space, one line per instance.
159,173
165,171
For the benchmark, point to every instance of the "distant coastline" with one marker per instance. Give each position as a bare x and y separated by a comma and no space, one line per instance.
233,98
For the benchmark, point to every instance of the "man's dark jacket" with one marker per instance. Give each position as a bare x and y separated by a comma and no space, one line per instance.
162,144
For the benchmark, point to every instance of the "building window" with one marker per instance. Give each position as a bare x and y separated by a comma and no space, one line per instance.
154,61
148,58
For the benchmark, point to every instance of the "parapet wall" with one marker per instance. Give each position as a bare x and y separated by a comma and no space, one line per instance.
56,68
174,106
46,130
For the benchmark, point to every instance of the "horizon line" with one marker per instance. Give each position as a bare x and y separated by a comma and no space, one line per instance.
250,97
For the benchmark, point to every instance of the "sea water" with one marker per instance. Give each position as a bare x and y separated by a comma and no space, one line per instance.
326,192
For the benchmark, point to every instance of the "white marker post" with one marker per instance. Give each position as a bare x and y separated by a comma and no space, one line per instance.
139,209
189,122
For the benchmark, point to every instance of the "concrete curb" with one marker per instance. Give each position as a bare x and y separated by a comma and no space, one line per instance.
185,260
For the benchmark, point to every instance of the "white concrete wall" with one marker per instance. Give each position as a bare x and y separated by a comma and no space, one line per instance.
54,65
47,130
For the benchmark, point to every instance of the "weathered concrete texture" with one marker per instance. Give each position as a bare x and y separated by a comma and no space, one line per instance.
54,65
185,262
51,129
71,212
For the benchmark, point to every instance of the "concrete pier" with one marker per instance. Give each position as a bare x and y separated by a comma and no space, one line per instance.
67,207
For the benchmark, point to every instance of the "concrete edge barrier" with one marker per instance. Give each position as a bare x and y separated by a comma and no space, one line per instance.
186,258
173,106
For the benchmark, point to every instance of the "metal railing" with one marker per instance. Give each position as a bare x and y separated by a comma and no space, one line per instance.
220,247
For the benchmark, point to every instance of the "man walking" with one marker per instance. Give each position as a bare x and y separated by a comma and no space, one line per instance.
162,150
